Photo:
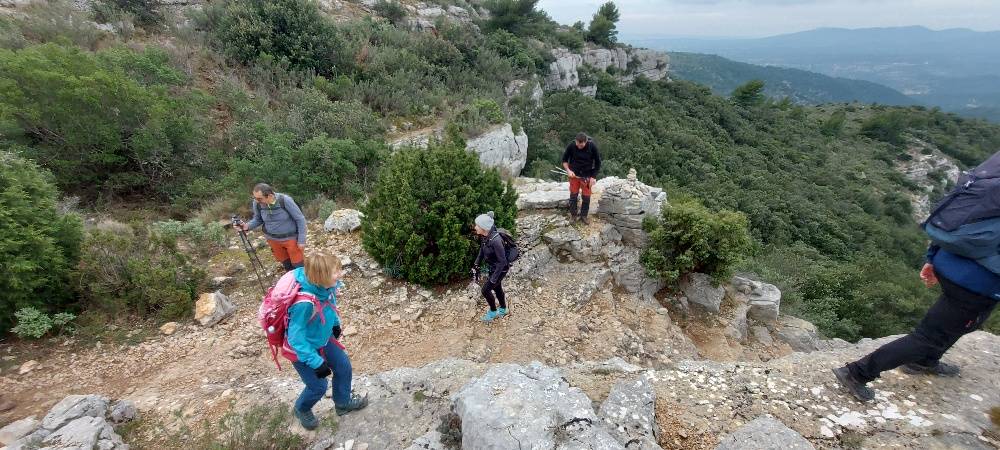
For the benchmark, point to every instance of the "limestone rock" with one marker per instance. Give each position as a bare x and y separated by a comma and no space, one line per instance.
764,433
530,89
86,433
220,282
73,407
343,221
531,405
17,430
629,412
212,308
563,72
168,328
797,333
27,367
630,274
761,335
699,289
123,411
764,298
591,287
420,139
500,148
533,194
626,203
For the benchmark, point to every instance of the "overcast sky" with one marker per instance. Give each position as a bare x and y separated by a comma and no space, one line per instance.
758,18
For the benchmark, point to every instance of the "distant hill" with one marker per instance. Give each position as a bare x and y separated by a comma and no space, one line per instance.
723,75
955,69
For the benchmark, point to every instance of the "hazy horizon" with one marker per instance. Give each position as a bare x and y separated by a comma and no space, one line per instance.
762,18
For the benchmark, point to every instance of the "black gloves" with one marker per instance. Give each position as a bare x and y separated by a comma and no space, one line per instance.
475,274
336,332
323,370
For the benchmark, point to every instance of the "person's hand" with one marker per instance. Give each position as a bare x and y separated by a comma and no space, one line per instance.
244,226
337,331
571,173
927,274
323,370
592,181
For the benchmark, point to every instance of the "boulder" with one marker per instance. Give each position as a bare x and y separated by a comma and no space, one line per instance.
343,221
626,203
765,299
168,328
502,149
797,333
630,413
27,367
73,407
567,242
630,274
514,406
764,433
592,286
123,411
535,194
212,308
700,289
86,433
17,430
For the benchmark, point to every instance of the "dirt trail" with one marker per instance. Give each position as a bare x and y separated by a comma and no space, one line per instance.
387,324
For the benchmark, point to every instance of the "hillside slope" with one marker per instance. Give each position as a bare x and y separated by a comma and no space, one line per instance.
723,75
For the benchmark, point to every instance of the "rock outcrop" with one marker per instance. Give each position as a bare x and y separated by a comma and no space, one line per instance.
627,64
501,148
701,290
212,308
76,422
626,203
343,221
764,433
930,169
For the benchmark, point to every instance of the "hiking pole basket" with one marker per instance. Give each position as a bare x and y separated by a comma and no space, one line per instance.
258,267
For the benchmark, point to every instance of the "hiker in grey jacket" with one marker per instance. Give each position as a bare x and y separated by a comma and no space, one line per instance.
283,222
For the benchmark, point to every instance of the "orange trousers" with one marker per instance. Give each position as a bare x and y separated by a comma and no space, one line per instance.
286,251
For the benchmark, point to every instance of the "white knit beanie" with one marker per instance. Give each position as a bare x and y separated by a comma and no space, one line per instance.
485,221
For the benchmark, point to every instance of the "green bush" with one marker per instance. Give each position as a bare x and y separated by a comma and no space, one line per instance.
520,17
749,94
199,237
473,119
690,238
38,245
293,31
418,222
127,272
105,123
32,323
886,127
392,10
321,165
146,13
57,21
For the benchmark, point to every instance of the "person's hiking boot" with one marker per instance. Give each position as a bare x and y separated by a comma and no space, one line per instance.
307,419
585,209
489,316
940,369
501,312
354,404
856,387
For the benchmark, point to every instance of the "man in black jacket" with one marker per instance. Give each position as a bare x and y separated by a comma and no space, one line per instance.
581,161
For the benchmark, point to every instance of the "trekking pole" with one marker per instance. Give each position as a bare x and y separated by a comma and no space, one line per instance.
258,267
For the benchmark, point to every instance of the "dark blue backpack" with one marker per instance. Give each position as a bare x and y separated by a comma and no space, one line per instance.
967,221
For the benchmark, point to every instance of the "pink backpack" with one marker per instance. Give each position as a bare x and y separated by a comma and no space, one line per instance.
273,315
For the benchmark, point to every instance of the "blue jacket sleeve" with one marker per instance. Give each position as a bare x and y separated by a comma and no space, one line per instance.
300,219
298,321
501,264
257,220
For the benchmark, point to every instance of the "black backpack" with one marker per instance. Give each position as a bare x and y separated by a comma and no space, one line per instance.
509,244
967,221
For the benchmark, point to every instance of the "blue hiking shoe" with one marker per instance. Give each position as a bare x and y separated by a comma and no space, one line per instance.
501,312
489,316
307,419
354,404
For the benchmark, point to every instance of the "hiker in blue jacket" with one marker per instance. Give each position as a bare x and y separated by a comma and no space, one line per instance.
312,335
967,221
493,253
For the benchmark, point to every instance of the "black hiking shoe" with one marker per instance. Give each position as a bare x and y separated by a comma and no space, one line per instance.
941,369
855,387
355,404
307,419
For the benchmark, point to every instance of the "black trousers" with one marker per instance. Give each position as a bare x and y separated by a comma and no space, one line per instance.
956,313
489,287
